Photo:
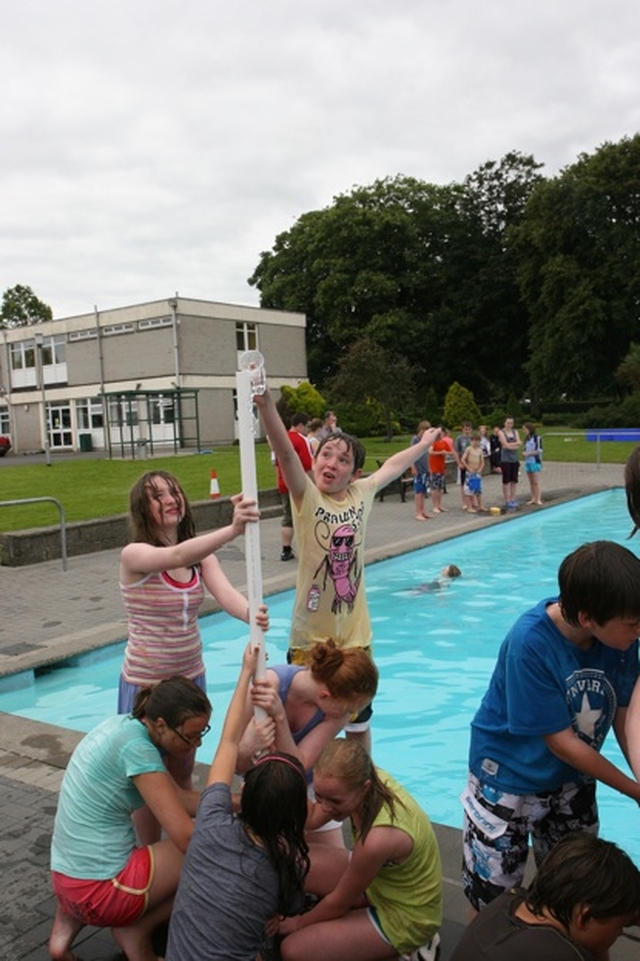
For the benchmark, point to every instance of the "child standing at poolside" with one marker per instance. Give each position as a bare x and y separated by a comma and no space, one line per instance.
533,462
564,677
437,467
330,514
163,574
473,463
420,471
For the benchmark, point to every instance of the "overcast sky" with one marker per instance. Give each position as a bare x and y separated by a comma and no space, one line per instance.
155,146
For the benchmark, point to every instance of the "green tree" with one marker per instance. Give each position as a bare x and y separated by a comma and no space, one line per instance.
21,308
460,405
368,372
432,410
629,370
514,408
422,270
488,318
367,265
304,399
578,249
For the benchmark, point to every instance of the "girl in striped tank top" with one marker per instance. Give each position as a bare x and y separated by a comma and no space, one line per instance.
163,574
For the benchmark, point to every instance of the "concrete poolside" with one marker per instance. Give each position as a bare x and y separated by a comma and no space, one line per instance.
49,615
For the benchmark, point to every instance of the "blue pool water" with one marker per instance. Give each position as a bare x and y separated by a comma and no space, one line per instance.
435,652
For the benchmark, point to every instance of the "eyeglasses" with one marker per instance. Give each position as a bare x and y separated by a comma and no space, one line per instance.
194,737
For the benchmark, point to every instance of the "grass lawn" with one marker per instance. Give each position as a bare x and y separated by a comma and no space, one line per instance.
90,488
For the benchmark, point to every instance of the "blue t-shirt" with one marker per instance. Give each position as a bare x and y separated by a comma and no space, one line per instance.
93,835
542,684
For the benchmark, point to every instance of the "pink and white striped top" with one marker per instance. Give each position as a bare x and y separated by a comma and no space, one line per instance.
164,638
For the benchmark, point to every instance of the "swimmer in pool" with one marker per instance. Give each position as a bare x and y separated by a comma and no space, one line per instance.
441,583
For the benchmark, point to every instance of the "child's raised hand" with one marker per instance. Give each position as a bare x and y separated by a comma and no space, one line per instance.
262,617
431,435
259,736
250,657
245,511
265,696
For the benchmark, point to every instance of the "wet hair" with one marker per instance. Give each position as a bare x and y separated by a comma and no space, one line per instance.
273,806
353,445
347,760
174,700
583,870
601,580
453,570
632,485
141,522
314,424
347,674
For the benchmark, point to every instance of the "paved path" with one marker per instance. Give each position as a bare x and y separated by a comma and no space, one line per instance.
49,614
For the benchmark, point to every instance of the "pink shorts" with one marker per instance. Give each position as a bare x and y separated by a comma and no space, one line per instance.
114,903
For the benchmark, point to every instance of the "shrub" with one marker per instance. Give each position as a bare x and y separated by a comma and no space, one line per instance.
364,420
624,414
460,405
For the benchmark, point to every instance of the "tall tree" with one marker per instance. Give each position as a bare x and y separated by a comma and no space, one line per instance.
366,370
412,266
578,249
21,308
484,314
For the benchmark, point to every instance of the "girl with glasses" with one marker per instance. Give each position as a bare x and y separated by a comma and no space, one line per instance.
100,876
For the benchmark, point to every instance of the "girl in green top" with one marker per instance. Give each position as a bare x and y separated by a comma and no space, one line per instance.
383,899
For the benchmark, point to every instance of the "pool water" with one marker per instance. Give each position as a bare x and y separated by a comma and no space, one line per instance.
435,652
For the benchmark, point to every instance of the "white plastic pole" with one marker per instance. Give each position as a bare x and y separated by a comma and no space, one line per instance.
250,381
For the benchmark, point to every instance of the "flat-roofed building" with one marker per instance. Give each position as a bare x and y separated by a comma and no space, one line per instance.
160,374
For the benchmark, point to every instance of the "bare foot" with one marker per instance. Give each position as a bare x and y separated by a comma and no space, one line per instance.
65,928
421,517
425,516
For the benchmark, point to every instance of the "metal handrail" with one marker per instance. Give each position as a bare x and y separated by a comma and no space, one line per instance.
63,526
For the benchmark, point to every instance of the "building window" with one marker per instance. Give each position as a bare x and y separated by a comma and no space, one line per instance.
246,337
54,359
89,334
89,413
23,365
112,330
123,412
5,420
155,322
162,410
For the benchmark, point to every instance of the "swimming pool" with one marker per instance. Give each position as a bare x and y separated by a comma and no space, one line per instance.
435,652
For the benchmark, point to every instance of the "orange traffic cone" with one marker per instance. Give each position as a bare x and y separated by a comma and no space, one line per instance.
214,490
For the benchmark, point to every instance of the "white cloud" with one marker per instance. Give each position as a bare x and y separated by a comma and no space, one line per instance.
151,146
